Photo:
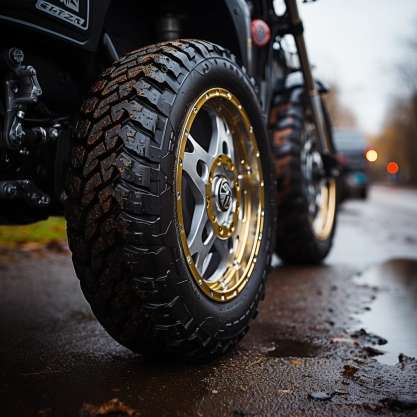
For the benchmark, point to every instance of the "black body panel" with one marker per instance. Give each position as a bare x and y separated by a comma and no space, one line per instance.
240,14
79,22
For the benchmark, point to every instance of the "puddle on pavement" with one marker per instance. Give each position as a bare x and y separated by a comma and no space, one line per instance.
291,348
393,314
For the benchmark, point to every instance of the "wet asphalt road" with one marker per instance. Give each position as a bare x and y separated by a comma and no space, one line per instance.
326,342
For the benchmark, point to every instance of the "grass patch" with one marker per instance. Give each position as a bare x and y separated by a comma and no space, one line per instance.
41,232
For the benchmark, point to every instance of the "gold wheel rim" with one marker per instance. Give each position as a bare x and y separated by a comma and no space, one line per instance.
323,222
233,175
320,188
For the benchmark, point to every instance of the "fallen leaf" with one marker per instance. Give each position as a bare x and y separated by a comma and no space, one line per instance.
296,362
349,371
112,407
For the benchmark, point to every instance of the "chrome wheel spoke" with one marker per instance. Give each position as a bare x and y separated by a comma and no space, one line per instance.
190,166
198,223
221,139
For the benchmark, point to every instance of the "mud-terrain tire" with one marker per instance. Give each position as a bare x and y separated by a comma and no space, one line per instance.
121,209
297,240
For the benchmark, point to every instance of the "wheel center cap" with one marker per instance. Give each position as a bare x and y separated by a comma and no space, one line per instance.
224,194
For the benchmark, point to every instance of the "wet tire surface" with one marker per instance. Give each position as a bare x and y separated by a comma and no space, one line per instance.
315,348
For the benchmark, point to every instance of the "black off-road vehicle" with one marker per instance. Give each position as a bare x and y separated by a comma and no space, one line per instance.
158,129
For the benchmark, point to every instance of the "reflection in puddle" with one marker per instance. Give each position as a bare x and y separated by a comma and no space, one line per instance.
291,348
393,314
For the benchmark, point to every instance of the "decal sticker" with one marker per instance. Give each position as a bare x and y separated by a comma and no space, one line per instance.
67,10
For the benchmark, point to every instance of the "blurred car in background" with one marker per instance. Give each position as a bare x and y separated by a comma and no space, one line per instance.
351,150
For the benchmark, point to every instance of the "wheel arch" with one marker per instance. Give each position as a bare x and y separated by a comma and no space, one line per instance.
225,22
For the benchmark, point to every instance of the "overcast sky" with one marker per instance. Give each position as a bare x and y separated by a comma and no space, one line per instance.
357,43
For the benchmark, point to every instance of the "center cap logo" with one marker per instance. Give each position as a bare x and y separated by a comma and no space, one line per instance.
225,195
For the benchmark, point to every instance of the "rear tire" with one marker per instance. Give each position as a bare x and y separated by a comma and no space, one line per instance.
124,226
304,235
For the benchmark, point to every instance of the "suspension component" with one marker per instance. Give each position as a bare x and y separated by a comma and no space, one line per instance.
20,134
22,89
25,190
169,27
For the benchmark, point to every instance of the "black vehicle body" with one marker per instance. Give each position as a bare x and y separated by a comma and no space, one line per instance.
351,152
83,29
69,42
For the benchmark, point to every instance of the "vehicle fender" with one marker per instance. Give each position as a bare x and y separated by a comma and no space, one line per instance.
240,13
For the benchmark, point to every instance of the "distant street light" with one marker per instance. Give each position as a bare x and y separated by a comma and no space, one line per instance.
393,168
371,155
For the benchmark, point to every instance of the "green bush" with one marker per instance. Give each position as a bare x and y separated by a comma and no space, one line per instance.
42,232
